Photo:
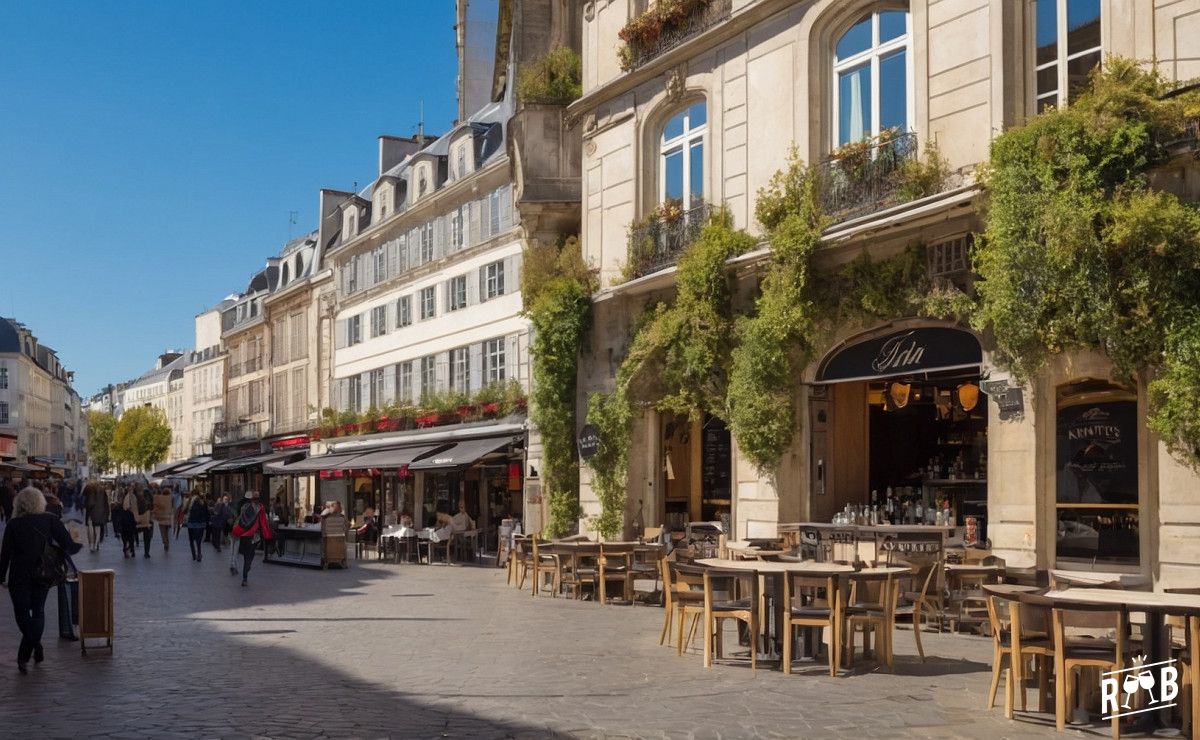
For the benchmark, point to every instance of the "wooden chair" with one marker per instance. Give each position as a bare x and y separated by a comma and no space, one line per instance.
919,593
616,566
1020,633
1075,653
969,601
721,602
543,561
812,610
517,555
645,566
1185,645
871,608
578,569
687,598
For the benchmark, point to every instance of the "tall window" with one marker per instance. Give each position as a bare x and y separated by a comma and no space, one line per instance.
299,395
460,161
427,243
404,382
298,335
404,311
456,293
354,329
354,393
681,157
378,321
494,361
3,377
376,399
3,412
279,343
428,303
494,212
351,269
493,280
872,75
456,229
379,259
428,376
460,370
1067,34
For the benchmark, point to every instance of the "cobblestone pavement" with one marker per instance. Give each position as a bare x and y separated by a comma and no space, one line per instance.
434,651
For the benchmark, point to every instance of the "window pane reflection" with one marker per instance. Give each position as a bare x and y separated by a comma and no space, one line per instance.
1083,25
892,25
893,91
1046,30
857,39
673,174
696,173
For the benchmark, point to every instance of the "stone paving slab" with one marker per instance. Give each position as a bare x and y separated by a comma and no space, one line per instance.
410,651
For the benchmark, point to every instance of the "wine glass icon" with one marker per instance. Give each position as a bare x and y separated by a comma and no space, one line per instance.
1146,680
1130,685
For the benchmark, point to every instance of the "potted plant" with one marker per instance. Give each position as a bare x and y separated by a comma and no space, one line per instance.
488,399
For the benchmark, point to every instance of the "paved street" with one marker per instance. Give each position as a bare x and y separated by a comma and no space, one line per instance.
419,651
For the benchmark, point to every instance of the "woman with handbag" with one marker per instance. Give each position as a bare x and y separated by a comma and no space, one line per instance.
250,530
144,521
32,560
129,513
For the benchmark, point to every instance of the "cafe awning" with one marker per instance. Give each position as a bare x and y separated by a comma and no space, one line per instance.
463,453
242,463
198,470
395,457
315,464
178,467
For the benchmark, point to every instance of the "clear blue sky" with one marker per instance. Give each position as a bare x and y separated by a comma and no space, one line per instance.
151,151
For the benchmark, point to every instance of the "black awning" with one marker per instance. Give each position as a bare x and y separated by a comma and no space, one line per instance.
198,470
315,464
908,352
395,457
462,453
242,463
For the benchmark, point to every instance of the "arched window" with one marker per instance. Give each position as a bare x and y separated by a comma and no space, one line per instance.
681,157
872,72
1067,34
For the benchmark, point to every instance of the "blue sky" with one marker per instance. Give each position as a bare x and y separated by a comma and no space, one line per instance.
151,152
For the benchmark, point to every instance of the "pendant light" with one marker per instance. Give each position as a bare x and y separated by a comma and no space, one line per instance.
898,393
968,396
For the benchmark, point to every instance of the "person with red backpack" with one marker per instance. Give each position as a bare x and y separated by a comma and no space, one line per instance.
251,529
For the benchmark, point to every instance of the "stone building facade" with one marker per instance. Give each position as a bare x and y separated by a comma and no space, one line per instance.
709,111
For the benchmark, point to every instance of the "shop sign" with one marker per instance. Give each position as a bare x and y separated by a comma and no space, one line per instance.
8,446
1010,399
1097,453
589,442
907,352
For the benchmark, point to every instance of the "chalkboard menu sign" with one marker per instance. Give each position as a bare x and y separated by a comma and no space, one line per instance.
1097,453
716,461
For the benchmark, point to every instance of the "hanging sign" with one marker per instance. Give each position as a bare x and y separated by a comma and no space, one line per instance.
908,352
589,442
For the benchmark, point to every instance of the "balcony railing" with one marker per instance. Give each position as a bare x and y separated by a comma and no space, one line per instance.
658,242
661,28
866,177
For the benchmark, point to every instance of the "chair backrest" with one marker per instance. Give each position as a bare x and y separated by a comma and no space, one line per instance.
795,584
732,582
686,577
925,555
1108,622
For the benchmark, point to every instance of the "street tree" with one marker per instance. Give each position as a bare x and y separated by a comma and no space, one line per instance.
142,438
101,427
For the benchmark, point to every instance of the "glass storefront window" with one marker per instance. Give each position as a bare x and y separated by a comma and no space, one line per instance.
1097,477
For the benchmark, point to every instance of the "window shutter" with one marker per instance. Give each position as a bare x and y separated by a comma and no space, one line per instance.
481,280
473,235
344,274
364,273
340,331
339,394
389,384
440,241
506,208
511,358
447,290
472,288
485,217
475,362
441,367
510,272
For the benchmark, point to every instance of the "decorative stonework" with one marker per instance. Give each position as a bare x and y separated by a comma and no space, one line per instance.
675,83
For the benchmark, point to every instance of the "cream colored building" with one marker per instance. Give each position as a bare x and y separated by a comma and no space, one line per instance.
161,387
709,112
38,406
204,384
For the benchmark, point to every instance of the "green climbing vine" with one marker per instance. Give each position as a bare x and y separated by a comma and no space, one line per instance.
1079,252
556,286
686,344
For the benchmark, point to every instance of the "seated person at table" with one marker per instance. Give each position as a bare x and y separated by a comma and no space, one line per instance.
461,522
444,528
406,519
391,519
369,526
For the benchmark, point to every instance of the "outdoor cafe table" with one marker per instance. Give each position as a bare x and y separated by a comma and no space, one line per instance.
1156,606
778,569
1088,578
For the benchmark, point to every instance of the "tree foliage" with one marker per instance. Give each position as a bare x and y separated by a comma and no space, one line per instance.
1080,253
101,427
141,439
554,78
556,286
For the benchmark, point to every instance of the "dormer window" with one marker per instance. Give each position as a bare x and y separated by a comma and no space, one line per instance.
422,183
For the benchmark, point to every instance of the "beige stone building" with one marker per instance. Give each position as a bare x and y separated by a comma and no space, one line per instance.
708,111
39,409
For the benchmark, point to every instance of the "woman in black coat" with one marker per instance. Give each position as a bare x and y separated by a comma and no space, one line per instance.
25,538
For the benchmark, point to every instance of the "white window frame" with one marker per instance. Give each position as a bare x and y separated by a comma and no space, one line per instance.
3,378
428,300
456,293
378,321
428,376
460,369
494,361
404,315
871,55
4,412
404,381
457,240
1061,59
427,242
683,144
494,286
494,213
379,263
354,330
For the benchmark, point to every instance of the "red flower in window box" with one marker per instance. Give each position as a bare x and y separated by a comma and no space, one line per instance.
427,420
490,409
466,410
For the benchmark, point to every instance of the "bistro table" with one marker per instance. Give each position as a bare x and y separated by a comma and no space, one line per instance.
1156,606
1096,578
777,569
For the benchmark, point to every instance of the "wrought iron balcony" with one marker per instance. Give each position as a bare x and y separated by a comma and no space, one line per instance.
866,177
667,25
658,242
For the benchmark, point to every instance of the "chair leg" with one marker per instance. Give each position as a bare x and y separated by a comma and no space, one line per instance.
753,643
917,631
1021,663
668,616
789,633
997,659
1043,663
1061,687
1008,691
680,638
708,640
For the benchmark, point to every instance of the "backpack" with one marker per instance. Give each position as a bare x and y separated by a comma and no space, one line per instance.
51,567
248,516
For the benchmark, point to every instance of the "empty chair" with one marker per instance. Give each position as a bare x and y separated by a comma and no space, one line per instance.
810,602
730,594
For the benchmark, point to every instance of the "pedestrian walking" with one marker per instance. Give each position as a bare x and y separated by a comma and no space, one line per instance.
164,514
143,522
251,529
6,499
96,513
128,524
234,538
26,539
197,523
221,514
